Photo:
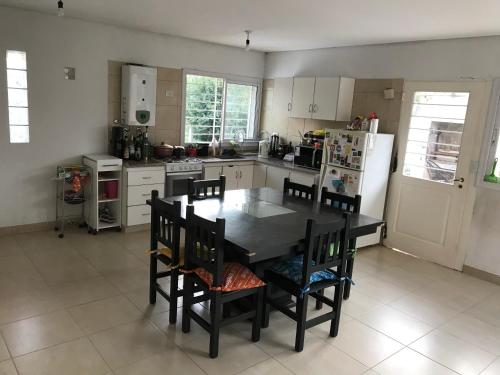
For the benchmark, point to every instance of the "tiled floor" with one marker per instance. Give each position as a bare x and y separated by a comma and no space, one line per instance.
79,305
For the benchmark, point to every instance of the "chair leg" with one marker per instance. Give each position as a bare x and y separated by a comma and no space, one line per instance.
174,291
319,304
226,310
257,320
215,319
337,301
153,269
301,322
266,309
349,270
186,303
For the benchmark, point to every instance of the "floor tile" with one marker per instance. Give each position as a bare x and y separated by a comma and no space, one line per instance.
493,369
77,357
487,310
268,367
363,343
140,298
453,353
40,332
430,312
409,362
380,290
4,353
115,260
358,303
84,291
395,324
129,280
7,368
99,315
9,247
171,361
129,343
320,358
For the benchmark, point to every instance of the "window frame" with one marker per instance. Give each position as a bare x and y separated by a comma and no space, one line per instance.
228,78
491,138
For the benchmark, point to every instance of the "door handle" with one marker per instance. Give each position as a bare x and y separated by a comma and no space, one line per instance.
461,179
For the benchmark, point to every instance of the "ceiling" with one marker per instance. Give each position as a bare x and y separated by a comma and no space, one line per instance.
282,25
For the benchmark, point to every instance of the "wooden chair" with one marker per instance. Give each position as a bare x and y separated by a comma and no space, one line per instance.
349,204
294,189
201,189
221,282
165,229
305,275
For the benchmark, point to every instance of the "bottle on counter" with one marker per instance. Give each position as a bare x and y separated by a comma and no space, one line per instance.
138,148
146,146
131,147
126,153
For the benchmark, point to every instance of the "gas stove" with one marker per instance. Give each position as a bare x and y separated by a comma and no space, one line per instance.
183,165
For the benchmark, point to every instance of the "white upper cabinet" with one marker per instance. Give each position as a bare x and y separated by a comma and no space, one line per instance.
283,95
302,97
322,98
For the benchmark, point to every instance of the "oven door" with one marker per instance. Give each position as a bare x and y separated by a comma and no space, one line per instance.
177,183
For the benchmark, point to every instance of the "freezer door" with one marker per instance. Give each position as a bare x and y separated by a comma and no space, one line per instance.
342,181
347,149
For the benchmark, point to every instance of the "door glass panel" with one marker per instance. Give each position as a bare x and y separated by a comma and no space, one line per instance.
435,134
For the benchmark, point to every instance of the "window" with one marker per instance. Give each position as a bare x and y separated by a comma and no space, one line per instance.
218,107
435,134
17,94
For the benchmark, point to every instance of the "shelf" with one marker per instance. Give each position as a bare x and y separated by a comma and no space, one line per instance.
109,179
108,225
109,200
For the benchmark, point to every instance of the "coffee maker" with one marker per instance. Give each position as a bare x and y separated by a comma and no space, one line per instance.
274,145
117,140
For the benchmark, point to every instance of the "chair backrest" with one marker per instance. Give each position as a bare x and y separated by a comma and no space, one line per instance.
326,246
294,189
165,225
201,189
341,201
205,244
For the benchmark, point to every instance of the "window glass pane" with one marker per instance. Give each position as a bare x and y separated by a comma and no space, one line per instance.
240,111
435,135
19,134
18,97
17,79
18,116
16,60
204,100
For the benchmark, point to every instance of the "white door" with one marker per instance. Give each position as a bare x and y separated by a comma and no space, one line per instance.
303,93
245,180
326,96
428,192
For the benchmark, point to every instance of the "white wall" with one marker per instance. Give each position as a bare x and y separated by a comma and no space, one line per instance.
69,118
433,60
444,60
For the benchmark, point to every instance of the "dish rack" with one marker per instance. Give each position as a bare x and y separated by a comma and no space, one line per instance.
73,187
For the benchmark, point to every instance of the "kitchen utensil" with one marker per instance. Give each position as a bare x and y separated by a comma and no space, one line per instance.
179,152
491,177
163,151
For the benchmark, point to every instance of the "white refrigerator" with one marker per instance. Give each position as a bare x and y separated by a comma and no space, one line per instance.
356,162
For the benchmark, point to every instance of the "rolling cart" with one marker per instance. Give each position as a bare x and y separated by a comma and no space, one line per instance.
73,186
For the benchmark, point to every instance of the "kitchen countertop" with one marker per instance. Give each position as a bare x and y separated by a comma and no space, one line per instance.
269,161
143,164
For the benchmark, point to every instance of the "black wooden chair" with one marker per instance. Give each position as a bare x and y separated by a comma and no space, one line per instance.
221,282
349,204
166,230
294,189
201,189
305,275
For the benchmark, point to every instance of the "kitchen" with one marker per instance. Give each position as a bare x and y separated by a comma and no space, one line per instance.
93,289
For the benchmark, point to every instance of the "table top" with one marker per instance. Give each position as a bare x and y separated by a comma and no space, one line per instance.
263,224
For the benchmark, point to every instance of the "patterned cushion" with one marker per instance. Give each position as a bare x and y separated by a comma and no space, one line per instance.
235,277
292,269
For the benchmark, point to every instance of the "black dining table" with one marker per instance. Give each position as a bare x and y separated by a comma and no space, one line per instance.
262,224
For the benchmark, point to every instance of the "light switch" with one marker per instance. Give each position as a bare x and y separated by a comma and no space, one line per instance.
169,93
69,73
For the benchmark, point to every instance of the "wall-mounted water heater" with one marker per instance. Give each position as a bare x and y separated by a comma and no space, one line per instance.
138,95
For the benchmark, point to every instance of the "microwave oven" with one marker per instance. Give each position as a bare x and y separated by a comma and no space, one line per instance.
308,157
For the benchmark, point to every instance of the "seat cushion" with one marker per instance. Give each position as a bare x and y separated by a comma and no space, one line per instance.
292,269
235,277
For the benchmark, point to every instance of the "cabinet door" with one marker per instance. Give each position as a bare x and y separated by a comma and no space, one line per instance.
259,175
245,180
282,99
211,173
231,172
276,176
302,97
344,106
302,178
326,95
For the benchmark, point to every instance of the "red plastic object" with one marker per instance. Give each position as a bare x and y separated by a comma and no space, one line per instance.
111,188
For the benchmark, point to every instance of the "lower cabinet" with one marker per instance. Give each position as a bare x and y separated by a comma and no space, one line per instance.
276,176
303,178
212,172
259,175
238,176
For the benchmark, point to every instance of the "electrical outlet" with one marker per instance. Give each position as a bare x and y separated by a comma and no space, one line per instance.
169,93
69,73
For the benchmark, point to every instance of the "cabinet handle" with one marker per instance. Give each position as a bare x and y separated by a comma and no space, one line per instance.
145,214
147,178
310,108
110,165
241,174
289,107
236,173
315,108
146,195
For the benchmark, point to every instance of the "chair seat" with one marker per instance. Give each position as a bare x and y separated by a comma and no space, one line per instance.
166,251
235,277
292,270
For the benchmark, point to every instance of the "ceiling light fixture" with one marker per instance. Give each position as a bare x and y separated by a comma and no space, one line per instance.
247,42
60,8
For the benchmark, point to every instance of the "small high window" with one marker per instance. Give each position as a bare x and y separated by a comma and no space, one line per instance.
17,94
